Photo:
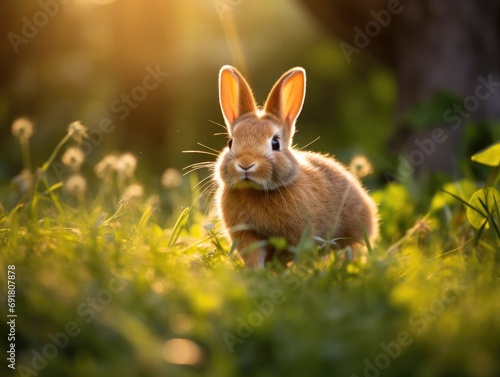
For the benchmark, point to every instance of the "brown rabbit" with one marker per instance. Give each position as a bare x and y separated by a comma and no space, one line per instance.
266,188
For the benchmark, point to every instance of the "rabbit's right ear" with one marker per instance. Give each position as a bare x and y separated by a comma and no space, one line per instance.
235,96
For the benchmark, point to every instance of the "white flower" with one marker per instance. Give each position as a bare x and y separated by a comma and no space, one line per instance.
171,178
77,131
126,164
22,128
73,157
76,185
105,166
360,166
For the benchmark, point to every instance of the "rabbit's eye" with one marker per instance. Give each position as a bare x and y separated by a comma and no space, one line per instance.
230,143
275,144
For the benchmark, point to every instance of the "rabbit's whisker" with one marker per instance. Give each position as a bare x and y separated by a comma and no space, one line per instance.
201,152
209,148
217,123
308,144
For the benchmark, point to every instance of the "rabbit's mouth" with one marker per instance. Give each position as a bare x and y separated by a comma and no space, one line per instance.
247,183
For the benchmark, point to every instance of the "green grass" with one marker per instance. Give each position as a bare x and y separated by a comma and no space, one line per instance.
140,287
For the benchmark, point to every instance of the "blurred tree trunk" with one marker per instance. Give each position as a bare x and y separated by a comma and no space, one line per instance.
340,17
448,44
432,46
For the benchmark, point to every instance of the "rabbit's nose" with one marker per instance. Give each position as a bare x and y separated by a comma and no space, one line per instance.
245,168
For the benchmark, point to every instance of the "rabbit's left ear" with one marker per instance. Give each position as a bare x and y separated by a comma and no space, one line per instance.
287,96
235,95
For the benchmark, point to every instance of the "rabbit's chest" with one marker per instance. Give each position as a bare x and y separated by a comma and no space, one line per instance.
271,213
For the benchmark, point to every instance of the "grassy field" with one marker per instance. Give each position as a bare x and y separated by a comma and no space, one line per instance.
108,278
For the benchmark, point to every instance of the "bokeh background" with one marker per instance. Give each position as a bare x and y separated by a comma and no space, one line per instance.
76,60
182,289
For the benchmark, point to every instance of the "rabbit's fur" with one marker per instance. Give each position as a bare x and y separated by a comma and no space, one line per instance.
267,188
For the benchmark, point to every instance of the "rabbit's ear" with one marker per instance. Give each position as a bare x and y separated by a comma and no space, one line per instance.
235,96
287,96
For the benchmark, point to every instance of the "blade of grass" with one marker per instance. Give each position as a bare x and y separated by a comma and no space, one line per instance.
367,240
53,187
56,150
464,202
178,227
490,218
494,222
144,219
479,233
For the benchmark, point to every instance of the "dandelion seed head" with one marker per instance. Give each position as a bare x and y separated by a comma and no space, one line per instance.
105,166
77,131
24,181
133,191
76,185
126,165
171,178
360,166
22,128
73,157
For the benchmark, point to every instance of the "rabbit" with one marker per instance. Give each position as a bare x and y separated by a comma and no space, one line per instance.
267,188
